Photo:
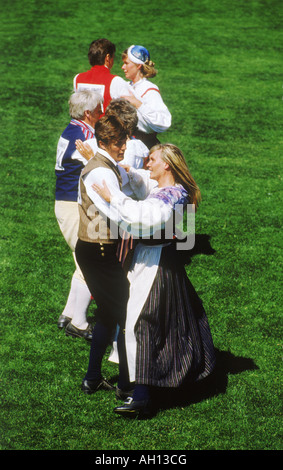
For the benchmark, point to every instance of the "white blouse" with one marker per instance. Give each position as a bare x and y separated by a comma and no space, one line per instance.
143,217
153,209
135,153
153,114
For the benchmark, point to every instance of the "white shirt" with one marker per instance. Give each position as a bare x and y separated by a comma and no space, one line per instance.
97,175
118,87
78,156
143,217
135,153
140,218
153,114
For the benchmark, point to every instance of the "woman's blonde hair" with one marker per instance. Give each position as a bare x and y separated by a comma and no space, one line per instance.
179,168
147,69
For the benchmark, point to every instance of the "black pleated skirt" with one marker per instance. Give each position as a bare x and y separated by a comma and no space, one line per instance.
174,341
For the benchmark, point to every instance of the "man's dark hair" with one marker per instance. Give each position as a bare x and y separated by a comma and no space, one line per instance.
110,129
98,50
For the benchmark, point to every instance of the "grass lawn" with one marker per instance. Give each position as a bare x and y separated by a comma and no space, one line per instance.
220,73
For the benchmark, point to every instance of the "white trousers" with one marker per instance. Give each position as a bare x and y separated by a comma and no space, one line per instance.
67,215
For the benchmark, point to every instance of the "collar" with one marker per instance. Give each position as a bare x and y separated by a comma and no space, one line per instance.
106,154
100,66
137,83
89,126
80,122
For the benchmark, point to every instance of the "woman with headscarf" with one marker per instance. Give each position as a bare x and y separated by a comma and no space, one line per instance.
153,115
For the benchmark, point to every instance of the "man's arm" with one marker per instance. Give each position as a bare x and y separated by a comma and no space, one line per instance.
118,87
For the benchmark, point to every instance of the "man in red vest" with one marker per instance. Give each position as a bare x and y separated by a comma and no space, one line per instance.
99,78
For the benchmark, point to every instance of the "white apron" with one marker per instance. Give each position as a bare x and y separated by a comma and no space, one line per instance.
141,276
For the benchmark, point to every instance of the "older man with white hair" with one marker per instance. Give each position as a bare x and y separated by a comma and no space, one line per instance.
85,110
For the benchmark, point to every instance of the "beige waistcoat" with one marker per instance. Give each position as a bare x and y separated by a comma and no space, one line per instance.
93,227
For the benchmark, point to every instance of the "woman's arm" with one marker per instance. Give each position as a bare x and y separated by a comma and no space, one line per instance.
153,112
139,218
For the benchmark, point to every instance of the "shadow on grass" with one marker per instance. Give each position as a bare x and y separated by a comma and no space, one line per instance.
226,362
202,246
215,384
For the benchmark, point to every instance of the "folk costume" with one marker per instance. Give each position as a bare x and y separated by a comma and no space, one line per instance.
96,251
69,164
100,79
153,115
168,339
135,153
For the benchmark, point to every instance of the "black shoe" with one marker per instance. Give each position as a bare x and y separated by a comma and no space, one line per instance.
122,394
71,330
131,409
63,321
92,386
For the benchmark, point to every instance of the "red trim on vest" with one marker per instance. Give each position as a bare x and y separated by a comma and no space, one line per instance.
98,75
149,89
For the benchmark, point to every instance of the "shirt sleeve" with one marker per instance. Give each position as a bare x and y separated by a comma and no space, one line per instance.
141,183
135,153
141,218
118,87
77,156
153,112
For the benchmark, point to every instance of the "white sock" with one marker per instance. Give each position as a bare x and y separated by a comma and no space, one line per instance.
71,301
81,303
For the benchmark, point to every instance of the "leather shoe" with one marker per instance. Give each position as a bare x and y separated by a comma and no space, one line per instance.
63,321
132,409
122,394
72,330
92,386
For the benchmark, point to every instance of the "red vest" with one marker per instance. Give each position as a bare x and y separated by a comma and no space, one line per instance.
99,79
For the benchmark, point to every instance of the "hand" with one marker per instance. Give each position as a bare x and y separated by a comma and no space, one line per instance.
84,149
126,167
133,100
102,191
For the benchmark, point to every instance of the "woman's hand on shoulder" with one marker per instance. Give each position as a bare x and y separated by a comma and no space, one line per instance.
102,191
133,100
85,149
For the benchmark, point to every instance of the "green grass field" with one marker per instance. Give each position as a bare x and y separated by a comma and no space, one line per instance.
220,73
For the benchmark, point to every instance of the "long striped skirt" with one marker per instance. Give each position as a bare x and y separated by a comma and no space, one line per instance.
174,341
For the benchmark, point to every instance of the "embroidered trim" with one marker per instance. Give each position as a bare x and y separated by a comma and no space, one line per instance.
149,89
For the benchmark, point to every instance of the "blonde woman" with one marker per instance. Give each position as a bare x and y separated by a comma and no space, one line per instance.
153,115
168,339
